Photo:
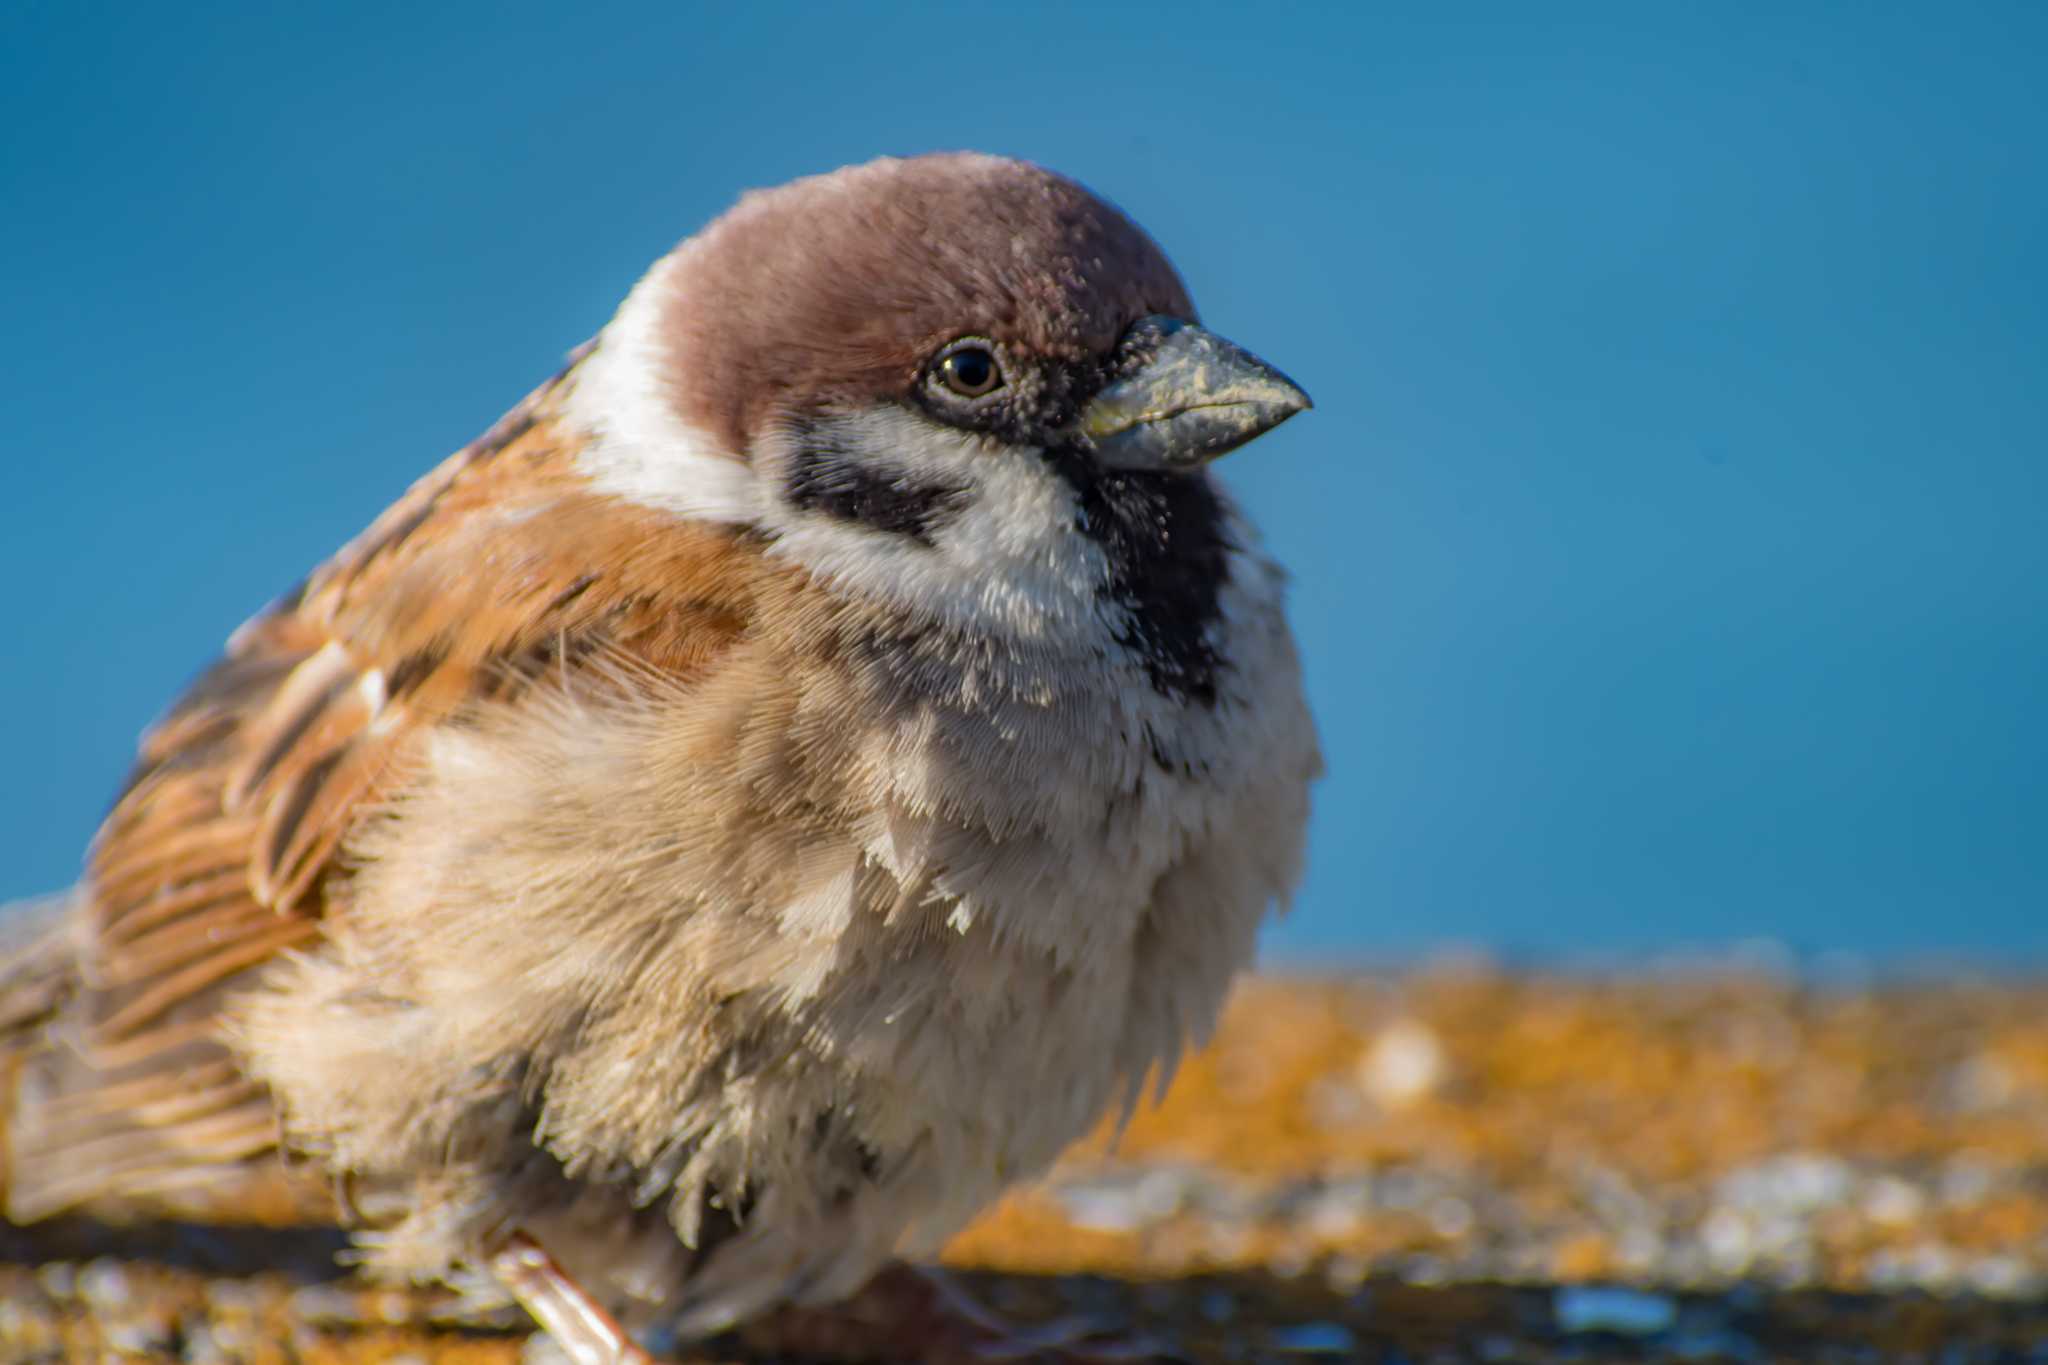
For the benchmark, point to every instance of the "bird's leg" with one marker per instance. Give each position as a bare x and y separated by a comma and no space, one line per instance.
577,1323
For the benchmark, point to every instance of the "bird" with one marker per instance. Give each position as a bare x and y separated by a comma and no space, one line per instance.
804,766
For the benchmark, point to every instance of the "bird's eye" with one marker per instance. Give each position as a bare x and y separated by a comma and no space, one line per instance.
970,371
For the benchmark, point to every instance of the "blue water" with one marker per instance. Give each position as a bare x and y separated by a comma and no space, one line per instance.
1669,536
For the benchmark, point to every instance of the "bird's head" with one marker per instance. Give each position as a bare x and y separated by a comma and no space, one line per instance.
961,382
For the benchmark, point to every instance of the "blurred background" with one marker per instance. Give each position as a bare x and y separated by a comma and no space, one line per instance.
1670,539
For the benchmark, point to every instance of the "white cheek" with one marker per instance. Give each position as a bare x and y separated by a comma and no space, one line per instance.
638,448
1009,561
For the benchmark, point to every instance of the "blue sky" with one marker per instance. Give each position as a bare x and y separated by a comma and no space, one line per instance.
1670,539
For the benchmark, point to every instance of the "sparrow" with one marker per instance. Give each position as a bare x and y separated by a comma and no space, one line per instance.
805,764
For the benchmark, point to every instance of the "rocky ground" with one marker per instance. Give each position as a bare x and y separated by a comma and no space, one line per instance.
1450,1165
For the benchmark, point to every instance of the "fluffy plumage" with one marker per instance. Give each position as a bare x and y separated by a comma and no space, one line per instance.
732,819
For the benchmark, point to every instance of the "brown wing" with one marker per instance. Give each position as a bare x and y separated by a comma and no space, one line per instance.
496,569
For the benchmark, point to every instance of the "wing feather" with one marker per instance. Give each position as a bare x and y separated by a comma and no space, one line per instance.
498,569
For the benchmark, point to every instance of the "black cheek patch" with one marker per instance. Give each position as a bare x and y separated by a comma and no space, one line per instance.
825,477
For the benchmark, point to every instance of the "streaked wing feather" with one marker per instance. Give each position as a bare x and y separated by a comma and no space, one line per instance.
499,567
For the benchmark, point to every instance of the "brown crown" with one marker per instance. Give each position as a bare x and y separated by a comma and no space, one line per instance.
837,289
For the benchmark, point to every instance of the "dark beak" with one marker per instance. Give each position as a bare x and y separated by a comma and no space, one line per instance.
1192,396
